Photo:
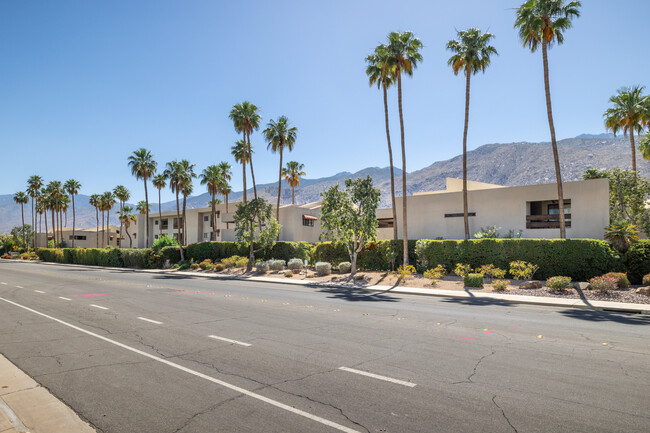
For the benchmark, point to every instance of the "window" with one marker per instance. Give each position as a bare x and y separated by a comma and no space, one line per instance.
77,238
308,220
155,222
205,235
206,218
135,235
164,224
176,223
459,214
544,214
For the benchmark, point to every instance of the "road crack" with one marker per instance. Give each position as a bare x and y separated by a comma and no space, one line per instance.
503,413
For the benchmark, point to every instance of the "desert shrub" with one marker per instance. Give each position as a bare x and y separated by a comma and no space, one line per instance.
345,267
276,265
206,265
473,280
25,256
175,266
323,268
262,267
637,261
436,273
405,271
194,266
183,266
462,269
230,262
6,256
646,280
218,267
241,262
288,274
558,283
491,271
521,270
500,285
621,279
603,284
489,232
164,241
295,264
359,277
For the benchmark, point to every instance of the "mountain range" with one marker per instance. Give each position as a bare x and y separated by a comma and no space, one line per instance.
510,164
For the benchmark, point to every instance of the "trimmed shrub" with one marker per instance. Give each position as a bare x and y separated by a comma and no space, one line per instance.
637,261
491,271
500,285
173,254
405,271
374,256
345,267
206,265
473,280
646,280
323,268
230,262
295,264
218,267
603,284
262,267
276,265
462,269
288,274
522,270
164,241
241,262
621,279
194,266
145,258
559,283
436,273
215,251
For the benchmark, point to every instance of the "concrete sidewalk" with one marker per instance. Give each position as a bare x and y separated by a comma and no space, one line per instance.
25,406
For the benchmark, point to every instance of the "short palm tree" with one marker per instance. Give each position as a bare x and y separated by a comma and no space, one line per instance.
126,218
472,53
246,119
34,184
279,136
187,190
241,154
180,174
403,55
211,177
292,173
95,201
627,113
22,199
143,167
544,22
381,73
224,186
108,201
160,182
122,194
72,187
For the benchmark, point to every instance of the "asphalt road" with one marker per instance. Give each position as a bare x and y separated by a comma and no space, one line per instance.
138,357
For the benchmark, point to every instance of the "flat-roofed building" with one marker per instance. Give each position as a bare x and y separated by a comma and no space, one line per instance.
85,238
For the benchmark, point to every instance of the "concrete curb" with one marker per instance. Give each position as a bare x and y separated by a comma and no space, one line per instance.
515,299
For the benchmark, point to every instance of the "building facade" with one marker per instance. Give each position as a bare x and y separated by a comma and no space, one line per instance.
85,238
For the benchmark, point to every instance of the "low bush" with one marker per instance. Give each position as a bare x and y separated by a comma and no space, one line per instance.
603,284
241,262
323,268
172,253
218,267
183,266
230,262
521,270
637,261
295,264
621,279
473,280
276,265
164,241
375,256
206,265
345,267
646,280
405,271
462,269
436,273
288,274
262,267
194,266
6,256
558,283
500,285
491,271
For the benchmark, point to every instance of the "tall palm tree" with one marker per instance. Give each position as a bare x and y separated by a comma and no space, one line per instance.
225,172
403,54
95,202
472,53
292,173
628,112
72,187
186,188
279,135
34,184
545,21
126,218
246,119
55,192
141,207
160,182
174,172
109,201
22,199
241,154
40,210
381,73
211,177
143,167
122,194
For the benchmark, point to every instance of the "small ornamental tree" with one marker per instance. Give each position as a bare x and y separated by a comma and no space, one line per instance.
349,216
255,225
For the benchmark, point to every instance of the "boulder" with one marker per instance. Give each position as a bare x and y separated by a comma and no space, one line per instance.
582,286
643,291
531,285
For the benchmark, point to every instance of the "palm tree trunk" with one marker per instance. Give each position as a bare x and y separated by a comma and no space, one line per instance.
390,160
556,157
35,225
277,210
243,164
184,219
404,192
633,153
130,240
250,161
465,207
108,227
213,220
178,226
97,226
74,220
159,214
45,213
53,227
34,242
293,201
22,216
121,222
103,231
146,200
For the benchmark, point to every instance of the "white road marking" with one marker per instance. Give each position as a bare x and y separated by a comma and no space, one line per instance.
39,291
149,320
98,306
195,373
377,376
229,340
3,283
19,287
65,299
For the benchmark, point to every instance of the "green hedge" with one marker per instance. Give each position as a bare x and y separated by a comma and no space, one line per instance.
637,261
374,256
112,257
580,259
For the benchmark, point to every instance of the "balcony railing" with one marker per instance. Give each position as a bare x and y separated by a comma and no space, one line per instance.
546,221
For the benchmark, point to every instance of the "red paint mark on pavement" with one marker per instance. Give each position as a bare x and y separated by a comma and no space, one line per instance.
517,326
466,338
90,295
489,332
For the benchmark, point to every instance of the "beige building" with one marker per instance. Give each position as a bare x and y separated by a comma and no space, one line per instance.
85,238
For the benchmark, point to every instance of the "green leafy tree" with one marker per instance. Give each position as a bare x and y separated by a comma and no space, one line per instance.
644,145
22,199
143,167
627,113
381,72
292,173
255,226
246,119
280,136
543,22
25,232
127,217
160,182
72,187
403,55
472,51
349,215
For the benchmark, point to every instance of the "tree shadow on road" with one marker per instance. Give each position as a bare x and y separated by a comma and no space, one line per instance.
607,316
474,301
353,294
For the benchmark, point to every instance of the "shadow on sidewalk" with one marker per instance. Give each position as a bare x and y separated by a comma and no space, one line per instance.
356,295
607,316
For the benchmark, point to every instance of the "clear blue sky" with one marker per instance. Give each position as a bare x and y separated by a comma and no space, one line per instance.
82,84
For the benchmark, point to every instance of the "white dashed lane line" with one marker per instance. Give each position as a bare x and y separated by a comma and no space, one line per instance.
150,321
65,299
377,376
3,283
98,306
229,340
39,291
19,287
